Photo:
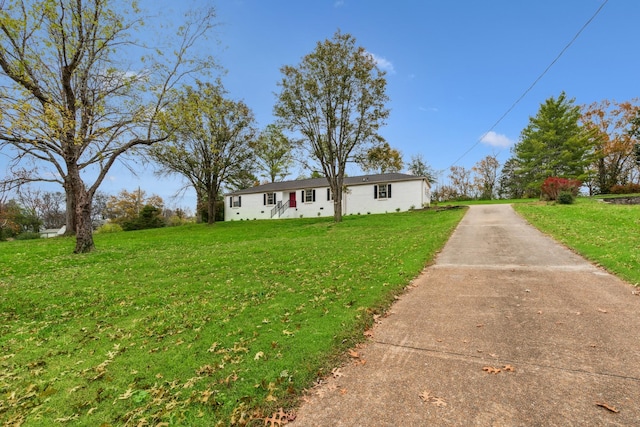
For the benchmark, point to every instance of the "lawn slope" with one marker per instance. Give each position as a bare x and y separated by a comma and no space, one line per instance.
196,325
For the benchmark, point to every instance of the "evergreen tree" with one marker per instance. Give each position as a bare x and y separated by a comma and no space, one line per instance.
553,144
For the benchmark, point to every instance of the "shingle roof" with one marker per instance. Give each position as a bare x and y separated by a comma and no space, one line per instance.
301,184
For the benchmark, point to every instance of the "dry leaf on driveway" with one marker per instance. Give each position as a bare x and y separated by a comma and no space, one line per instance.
427,397
491,370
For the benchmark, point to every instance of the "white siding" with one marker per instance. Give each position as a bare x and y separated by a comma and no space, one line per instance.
405,195
358,199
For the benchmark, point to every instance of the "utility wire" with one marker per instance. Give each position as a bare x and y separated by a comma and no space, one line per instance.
534,82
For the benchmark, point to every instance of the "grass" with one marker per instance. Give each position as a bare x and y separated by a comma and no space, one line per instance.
196,325
606,234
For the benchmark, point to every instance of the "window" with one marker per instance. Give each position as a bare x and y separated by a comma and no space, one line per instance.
382,191
235,201
269,198
308,196
329,194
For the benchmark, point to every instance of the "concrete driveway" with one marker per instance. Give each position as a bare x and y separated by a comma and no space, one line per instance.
507,328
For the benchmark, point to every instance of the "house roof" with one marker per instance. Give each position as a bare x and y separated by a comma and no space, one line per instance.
323,182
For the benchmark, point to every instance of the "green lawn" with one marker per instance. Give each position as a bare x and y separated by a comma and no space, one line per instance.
606,234
196,325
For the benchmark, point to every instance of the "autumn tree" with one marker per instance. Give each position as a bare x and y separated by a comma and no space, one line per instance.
553,144
274,153
419,167
72,100
485,176
335,98
460,178
127,205
610,124
210,141
381,159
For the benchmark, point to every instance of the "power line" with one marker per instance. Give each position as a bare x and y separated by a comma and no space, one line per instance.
534,82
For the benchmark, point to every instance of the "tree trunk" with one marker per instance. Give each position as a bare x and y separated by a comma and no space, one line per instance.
71,223
337,204
84,230
198,207
211,206
81,199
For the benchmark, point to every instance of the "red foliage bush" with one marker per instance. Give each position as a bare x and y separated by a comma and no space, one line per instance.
625,189
553,186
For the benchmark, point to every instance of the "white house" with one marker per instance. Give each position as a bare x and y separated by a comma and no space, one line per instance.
390,192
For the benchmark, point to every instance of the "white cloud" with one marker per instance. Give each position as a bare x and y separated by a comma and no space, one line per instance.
383,63
496,140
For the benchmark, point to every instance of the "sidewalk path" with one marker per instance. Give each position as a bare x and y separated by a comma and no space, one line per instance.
564,334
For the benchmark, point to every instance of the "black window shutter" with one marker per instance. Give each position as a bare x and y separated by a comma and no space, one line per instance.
303,199
313,196
239,201
389,191
231,201
375,191
264,199
328,194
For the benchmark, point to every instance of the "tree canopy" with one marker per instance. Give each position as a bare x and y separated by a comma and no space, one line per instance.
71,100
335,98
611,127
553,144
274,153
210,142
381,159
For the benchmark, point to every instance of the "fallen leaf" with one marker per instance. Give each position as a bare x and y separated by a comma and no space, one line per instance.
438,401
336,373
509,368
425,395
608,407
602,310
258,355
491,370
343,391
354,354
479,325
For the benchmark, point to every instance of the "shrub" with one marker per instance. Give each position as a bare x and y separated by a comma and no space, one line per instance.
28,235
630,188
109,227
553,186
566,198
149,217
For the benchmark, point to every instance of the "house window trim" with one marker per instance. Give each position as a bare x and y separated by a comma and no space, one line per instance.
269,199
305,194
377,191
235,202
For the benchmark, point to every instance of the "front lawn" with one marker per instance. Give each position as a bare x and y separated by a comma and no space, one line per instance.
606,234
196,325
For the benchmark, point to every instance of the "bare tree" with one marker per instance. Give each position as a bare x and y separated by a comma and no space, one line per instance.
72,104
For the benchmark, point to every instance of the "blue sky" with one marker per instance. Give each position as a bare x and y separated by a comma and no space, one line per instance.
453,67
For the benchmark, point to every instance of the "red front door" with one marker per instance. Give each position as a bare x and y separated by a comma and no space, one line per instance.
292,199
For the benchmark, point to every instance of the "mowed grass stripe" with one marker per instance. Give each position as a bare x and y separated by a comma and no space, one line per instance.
196,325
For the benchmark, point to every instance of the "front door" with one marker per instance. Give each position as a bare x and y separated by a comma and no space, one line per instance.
292,199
